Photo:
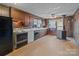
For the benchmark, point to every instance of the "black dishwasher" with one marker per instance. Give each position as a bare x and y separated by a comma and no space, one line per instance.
36,35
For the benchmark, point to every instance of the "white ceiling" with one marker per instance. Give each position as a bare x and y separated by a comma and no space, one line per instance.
46,9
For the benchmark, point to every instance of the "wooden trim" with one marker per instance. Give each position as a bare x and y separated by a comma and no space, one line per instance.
4,5
27,13
3,8
10,11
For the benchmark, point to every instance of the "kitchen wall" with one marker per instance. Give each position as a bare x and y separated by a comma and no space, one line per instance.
68,25
76,26
76,15
54,32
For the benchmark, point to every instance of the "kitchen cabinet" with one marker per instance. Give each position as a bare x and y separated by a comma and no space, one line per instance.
20,39
25,36
15,13
18,17
43,32
27,20
21,18
31,19
4,11
36,34
39,33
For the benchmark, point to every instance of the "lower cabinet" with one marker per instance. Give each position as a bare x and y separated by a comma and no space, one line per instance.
20,40
36,35
43,32
39,33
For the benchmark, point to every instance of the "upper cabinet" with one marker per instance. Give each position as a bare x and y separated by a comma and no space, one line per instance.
15,13
4,11
18,17
27,21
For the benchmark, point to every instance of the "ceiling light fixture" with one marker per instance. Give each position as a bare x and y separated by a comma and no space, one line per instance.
52,14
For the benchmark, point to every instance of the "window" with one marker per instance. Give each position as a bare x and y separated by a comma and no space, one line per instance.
52,25
37,23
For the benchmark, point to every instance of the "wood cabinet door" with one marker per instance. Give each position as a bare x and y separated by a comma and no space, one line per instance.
15,13
4,11
18,17
27,17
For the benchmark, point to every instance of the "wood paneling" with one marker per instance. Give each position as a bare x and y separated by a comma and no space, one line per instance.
31,18
18,17
4,11
17,13
68,23
76,27
27,21
21,18
45,23
76,16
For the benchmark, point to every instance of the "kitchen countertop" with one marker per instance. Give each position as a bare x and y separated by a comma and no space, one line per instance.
30,32
23,30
